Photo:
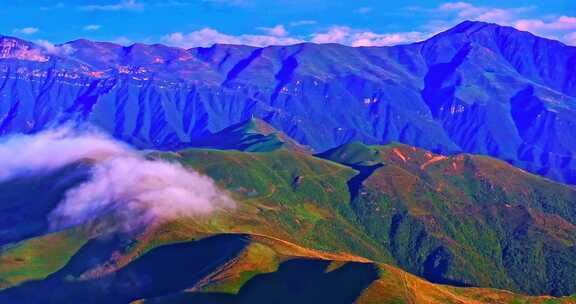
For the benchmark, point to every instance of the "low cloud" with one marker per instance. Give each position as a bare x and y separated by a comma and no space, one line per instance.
357,38
123,40
58,50
207,37
277,31
278,35
123,183
562,23
570,38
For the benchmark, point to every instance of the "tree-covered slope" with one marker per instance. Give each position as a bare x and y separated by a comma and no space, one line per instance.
453,218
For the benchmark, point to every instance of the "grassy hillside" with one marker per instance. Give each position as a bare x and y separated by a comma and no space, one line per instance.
466,221
253,135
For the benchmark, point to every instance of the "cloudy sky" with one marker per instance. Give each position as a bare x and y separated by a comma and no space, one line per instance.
190,23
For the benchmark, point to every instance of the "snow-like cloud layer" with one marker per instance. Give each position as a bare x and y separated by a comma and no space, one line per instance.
123,182
278,35
207,37
356,38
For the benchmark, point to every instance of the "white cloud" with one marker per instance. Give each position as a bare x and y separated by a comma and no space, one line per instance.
465,10
356,38
302,22
26,30
561,23
119,6
58,50
570,38
374,39
455,6
122,40
207,37
92,27
279,36
277,31
336,34
123,182
363,10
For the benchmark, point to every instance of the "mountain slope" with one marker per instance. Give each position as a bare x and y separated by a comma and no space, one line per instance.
478,88
443,217
464,220
414,209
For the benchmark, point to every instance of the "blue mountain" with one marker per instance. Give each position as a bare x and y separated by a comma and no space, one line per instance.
478,88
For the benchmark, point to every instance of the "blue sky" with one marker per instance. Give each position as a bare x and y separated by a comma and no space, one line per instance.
189,23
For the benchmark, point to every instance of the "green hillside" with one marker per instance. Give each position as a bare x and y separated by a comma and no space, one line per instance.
446,219
253,135
464,221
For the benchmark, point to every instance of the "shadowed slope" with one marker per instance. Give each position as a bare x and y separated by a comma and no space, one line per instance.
163,270
248,269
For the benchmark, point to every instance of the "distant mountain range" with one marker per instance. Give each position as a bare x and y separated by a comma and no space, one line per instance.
478,88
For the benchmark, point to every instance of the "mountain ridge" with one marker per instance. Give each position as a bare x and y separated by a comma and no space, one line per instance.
465,220
460,27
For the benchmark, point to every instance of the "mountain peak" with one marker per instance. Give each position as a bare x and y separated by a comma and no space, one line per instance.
480,30
252,135
470,26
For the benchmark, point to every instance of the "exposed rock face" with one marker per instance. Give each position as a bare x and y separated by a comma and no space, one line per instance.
478,88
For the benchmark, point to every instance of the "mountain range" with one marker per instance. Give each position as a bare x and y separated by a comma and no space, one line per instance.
477,88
